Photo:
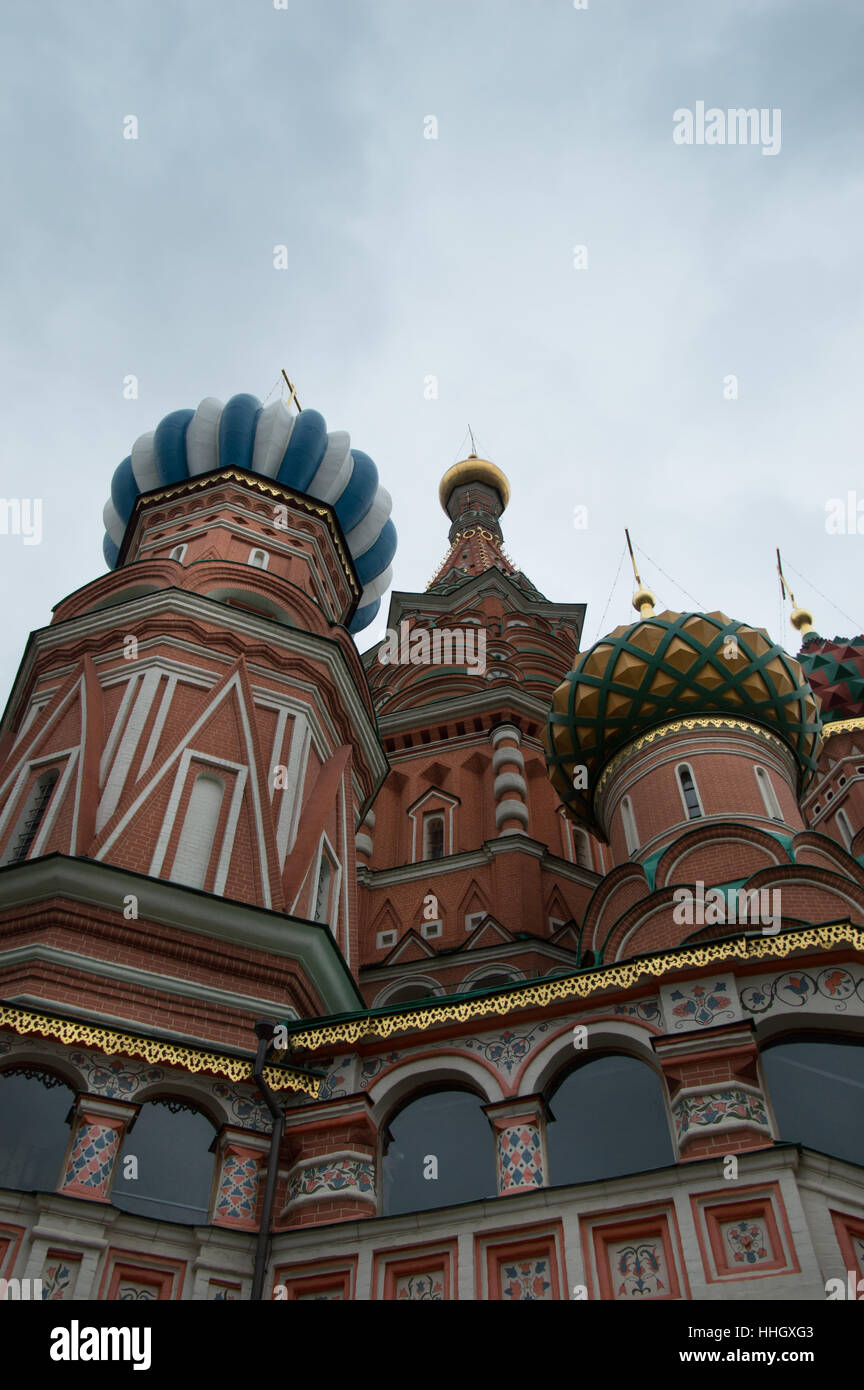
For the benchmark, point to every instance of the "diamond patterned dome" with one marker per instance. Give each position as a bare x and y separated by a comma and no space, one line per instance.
836,673
664,667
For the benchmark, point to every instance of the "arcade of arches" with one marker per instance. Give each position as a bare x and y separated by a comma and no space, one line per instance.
606,1116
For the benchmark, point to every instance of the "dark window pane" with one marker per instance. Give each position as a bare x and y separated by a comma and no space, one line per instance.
175,1167
33,1133
405,996
691,799
610,1118
37,805
817,1091
434,834
449,1127
495,979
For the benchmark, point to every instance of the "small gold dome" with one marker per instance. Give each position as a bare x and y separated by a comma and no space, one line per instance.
644,601
473,470
802,620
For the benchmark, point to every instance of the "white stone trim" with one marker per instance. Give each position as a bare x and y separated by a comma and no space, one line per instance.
35,708
509,782
128,744
604,1036
502,756
414,1074
292,793
511,810
147,979
170,761
227,849
416,818
506,731
325,846
401,982
278,742
12,807
158,725
181,603
343,878
57,796
158,859
119,720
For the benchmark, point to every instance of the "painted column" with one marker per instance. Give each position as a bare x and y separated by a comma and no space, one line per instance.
511,791
717,1102
519,1127
332,1175
98,1129
241,1161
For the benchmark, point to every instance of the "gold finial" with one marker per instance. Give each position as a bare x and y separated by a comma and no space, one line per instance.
292,399
643,599
801,618
473,444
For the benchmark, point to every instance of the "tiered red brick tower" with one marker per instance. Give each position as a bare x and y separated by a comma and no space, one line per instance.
466,816
316,987
201,721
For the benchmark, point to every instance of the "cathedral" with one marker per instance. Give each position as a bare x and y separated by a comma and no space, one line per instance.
481,966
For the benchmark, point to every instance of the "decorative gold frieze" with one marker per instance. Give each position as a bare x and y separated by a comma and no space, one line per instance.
191,1059
573,987
842,726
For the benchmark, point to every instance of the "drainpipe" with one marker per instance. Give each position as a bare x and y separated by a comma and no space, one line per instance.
265,1031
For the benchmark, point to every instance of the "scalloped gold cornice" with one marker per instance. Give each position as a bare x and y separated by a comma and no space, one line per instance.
192,1059
581,986
842,726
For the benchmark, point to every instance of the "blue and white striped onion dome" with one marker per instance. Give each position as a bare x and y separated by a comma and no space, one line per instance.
294,449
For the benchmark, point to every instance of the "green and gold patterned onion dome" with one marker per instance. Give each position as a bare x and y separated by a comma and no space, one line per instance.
665,667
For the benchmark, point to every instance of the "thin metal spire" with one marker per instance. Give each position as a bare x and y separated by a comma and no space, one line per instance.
292,399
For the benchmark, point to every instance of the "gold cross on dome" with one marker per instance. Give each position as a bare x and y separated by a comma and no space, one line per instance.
292,399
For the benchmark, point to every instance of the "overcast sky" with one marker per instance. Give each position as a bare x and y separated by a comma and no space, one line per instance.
454,258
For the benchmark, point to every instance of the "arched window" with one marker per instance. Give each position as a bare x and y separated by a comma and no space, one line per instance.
631,834
173,1170
199,829
259,559
815,1086
433,835
178,553
33,1130
493,979
609,1118
582,848
322,889
845,828
27,827
769,796
406,994
689,792
438,1150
